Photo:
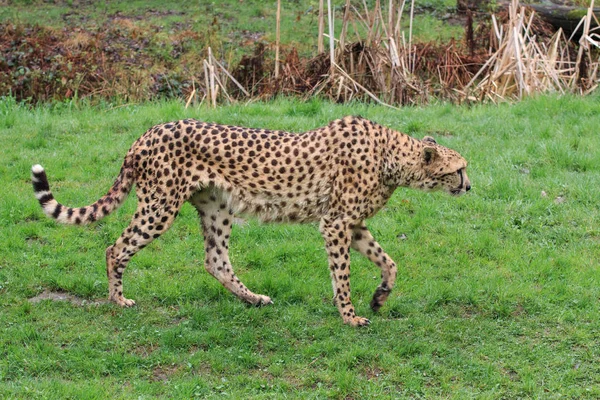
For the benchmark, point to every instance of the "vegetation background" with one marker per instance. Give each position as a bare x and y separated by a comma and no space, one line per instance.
140,50
497,294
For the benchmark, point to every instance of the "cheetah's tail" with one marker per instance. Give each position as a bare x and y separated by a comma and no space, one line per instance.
82,215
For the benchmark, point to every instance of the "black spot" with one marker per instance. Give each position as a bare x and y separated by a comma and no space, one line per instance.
210,243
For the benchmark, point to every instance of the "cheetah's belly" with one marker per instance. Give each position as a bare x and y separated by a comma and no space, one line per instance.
275,208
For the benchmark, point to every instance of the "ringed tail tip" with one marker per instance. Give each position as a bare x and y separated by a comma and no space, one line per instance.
41,187
37,169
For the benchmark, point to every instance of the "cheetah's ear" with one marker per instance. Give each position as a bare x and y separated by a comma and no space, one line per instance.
430,154
429,139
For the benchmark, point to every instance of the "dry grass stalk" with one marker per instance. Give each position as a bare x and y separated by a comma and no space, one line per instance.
215,82
277,37
191,96
320,46
206,80
585,69
331,38
230,76
345,24
412,9
358,85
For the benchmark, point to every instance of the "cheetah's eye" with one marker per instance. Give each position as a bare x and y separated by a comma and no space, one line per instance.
459,172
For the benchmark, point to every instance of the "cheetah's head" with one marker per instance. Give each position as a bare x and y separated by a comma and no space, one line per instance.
444,169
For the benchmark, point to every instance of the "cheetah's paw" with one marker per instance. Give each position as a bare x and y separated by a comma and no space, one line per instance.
358,321
263,300
123,302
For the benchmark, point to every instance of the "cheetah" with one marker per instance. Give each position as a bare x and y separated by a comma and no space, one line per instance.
338,175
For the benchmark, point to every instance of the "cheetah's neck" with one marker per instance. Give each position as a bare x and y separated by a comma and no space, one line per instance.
402,159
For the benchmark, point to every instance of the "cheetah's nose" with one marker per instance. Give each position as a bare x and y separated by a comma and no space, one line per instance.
468,187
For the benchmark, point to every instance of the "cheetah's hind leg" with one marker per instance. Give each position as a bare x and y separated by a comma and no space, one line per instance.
147,224
216,220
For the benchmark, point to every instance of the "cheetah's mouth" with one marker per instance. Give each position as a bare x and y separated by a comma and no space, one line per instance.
460,190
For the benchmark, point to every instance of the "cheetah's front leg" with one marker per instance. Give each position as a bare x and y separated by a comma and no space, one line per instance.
338,235
363,242
216,228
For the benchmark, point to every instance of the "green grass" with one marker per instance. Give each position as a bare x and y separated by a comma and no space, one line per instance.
497,293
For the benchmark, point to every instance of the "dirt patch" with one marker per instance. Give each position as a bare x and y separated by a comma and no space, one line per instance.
162,373
372,373
62,296
144,351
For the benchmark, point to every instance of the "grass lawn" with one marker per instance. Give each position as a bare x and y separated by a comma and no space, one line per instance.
497,295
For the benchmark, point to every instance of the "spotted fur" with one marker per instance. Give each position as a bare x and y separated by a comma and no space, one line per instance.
339,175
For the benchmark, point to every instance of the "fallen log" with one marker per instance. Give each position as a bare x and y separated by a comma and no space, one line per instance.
558,13
563,16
